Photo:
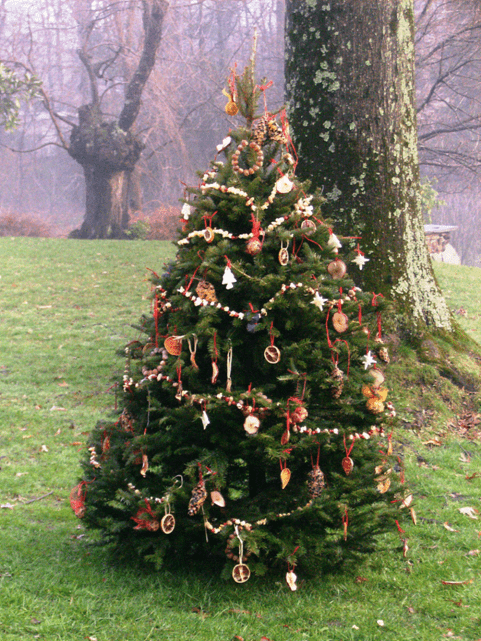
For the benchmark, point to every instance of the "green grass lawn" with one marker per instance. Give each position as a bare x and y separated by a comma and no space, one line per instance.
66,308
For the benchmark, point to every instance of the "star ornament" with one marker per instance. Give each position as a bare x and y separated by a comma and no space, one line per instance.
368,360
360,260
319,301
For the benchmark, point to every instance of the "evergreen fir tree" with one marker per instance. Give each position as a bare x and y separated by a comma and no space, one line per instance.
254,414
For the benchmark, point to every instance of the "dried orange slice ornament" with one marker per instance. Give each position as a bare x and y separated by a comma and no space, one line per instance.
167,524
241,573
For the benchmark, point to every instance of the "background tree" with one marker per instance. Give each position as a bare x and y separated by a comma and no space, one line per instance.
350,89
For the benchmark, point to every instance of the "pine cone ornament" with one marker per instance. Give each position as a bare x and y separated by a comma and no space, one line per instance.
315,482
275,133
206,291
197,500
259,130
337,382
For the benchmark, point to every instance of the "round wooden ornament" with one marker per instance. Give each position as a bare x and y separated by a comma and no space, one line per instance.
272,354
241,573
173,344
167,524
337,269
340,322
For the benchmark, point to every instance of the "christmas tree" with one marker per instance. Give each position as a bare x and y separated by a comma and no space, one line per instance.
254,422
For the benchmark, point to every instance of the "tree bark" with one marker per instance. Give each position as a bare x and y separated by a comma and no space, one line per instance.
350,91
108,150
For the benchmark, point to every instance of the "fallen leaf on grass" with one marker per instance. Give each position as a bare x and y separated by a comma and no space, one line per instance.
91,638
469,511
44,448
448,527
473,552
457,582
34,621
27,436
62,384
470,477
360,579
76,443
7,506
56,408
200,612
432,441
354,627
459,603
380,623
465,458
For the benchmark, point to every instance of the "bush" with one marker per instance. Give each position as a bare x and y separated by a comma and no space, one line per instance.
26,225
162,224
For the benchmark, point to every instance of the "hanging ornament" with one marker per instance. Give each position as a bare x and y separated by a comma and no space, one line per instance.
231,107
299,414
337,269
145,465
309,226
259,130
224,144
272,354
241,572
205,419
276,132
186,211
284,185
193,350
377,377
252,424
284,254
291,579
228,386
319,301
173,344
215,372
383,484
254,319
228,278
345,522
315,482
167,523
254,244
340,322
375,405
360,259
333,242
337,382
259,158
285,477
206,291
217,498
199,495
347,462
368,360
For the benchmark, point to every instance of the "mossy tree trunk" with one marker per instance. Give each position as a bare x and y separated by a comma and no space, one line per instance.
350,91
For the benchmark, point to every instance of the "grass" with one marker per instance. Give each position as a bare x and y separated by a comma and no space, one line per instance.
66,307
